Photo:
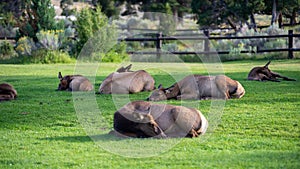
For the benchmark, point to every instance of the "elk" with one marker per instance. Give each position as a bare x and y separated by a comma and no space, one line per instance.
125,81
74,83
141,119
199,87
265,74
7,92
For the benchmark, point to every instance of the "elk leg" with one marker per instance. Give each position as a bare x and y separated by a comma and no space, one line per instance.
264,77
148,126
186,97
193,133
274,74
4,97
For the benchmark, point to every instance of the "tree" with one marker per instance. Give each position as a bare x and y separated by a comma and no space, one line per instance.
108,7
88,22
33,16
212,13
64,5
178,7
282,8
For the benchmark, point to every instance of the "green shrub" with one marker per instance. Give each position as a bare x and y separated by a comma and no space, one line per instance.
25,46
89,21
6,50
116,54
49,56
51,39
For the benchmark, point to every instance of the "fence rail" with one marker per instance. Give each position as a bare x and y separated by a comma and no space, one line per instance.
158,39
205,37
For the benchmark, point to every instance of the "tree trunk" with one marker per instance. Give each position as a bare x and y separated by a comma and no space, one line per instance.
253,23
280,20
293,18
231,23
274,14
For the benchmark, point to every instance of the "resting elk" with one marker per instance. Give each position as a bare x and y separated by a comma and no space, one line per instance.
74,83
200,87
265,74
125,81
7,92
140,119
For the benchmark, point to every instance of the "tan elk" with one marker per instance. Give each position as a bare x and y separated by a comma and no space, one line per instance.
140,119
265,74
200,87
74,83
7,92
125,81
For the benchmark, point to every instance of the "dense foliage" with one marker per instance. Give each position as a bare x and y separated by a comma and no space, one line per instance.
217,12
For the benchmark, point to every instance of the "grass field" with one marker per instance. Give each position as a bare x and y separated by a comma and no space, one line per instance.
41,129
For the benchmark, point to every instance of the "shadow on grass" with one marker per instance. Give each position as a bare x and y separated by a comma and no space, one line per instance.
100,137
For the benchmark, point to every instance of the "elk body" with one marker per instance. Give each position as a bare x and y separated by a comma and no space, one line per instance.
265,74
7,92
74,83
142,119
196,87
125,81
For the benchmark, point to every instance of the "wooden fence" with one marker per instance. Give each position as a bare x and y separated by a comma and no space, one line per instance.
159,40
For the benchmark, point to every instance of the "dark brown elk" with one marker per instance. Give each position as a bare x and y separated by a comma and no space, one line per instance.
198,87
74,83
7,92
142,119
125,81
265,74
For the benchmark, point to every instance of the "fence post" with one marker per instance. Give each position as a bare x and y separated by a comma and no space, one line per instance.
158,45
291,55
206,42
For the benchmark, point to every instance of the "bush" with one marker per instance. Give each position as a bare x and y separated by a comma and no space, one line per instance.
6,50
49,56
89,21
50,39
116,54
25,46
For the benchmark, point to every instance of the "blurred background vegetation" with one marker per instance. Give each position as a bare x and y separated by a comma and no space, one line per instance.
55,31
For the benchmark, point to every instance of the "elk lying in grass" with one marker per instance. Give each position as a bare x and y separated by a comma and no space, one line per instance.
74,83
7,92
141,119
125,81
200,87
265,74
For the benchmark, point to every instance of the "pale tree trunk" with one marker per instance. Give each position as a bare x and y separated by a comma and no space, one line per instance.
274,14
253,22
231,23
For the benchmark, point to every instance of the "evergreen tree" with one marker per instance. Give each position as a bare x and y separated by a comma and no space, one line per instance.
211,13
36,15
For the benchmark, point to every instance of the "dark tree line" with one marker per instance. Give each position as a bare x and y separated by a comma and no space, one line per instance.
233,12
38,14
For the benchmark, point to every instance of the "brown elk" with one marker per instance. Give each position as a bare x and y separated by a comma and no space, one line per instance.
200,87
74,83
142,119
265,74
125,81
7,92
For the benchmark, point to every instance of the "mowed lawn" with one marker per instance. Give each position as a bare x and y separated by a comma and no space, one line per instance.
42,129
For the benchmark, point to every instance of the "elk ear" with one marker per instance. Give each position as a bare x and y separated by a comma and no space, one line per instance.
59,75
266,66
127,69
160,86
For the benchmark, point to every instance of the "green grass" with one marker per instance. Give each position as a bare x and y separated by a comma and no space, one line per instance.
41,129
